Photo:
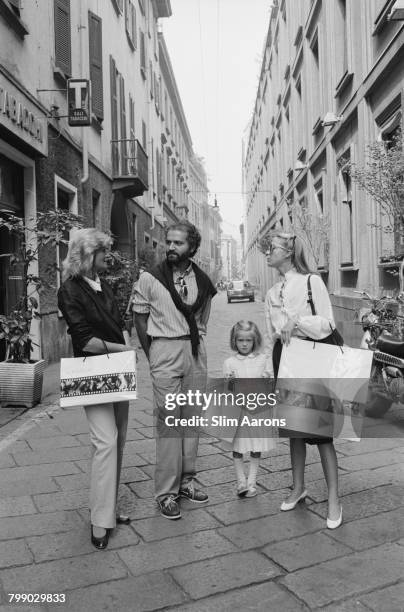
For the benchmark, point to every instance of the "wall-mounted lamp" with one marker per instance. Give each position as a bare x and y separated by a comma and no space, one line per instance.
397,11
331,119
299,166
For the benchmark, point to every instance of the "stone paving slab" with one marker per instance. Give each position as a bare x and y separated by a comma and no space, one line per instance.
391,598
173,552
6,460
282,526
157,528
65,574
360,572
38,524
17,506
40,444
75,543
38,484
14,552
266,597
370,460
217,476
224,573
367,503
371,531
246,509
134,594
354,482
306,550
66,500
28,472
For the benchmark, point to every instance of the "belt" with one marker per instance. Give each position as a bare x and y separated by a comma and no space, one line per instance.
171,338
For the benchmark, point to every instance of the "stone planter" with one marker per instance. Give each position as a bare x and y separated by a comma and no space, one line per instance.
21,383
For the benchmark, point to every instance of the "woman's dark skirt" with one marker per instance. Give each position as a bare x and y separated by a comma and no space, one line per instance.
287,433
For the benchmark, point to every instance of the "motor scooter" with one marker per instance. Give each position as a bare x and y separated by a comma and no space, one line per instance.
383,327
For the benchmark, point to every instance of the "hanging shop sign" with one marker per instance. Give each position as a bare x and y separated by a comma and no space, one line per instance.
78,102
22,117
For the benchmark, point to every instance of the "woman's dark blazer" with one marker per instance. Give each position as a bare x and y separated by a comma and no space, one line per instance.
89,313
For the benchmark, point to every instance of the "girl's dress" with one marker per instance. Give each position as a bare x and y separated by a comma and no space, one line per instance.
250,438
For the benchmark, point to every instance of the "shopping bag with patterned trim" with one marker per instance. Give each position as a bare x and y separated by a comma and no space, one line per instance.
99,379
323,388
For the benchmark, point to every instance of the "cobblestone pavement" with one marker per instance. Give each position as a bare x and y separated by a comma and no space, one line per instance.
229,554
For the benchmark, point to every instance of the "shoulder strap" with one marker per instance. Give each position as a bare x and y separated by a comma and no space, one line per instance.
310,296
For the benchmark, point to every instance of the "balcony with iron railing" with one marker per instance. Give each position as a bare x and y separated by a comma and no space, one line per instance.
129,167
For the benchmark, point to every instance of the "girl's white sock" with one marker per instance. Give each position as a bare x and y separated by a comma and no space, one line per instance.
239,467
252,473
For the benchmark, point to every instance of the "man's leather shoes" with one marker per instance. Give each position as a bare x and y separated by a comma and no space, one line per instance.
100,543
122,519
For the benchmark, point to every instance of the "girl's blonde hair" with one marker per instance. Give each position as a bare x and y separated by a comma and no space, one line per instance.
295,245
82,247
248,326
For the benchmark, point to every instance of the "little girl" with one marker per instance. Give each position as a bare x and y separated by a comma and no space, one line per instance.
246,340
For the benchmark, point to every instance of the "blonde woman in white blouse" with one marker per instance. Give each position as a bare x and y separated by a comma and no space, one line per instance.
288,313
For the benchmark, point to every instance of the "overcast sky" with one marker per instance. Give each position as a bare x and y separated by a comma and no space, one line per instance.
216,48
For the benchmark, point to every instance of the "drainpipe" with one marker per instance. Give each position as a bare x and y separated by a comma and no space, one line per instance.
84,71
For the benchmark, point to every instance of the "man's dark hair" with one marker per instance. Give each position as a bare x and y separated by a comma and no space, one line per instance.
194,237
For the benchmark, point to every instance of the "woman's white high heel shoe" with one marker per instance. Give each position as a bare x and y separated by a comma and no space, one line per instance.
331,524
285,506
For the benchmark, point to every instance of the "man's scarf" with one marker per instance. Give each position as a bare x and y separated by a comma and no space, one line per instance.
164,274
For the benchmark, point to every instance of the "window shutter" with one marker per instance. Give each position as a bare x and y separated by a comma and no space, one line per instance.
114,115
124,147
62,36
95,56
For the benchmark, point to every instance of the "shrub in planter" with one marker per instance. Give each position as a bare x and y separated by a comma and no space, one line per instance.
21,377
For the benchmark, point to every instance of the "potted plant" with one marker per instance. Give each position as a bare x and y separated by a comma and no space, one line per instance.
21,377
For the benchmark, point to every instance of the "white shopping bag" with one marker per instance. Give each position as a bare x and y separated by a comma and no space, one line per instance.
324,371
99,379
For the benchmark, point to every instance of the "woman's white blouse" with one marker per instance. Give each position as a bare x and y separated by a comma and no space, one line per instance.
288,299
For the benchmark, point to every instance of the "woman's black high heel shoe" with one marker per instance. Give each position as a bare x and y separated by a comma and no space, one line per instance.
100,543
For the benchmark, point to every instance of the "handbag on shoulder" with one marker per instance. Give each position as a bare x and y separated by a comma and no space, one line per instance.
334,337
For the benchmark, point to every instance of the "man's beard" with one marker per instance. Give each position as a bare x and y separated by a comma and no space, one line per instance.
174,258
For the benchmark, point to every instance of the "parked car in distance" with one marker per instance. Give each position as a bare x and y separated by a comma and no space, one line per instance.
240,290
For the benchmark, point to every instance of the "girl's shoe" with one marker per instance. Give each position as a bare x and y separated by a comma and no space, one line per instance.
252,491
242,489
285,506
331,524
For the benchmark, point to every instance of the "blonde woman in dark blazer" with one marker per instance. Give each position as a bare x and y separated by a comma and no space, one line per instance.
96,327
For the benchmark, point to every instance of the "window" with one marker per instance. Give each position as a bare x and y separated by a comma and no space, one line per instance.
144,136
142,54
146,238
62,36
95,60
316,82
346,230
341,38
131,160
65,199
118,121
151,79
118,6
130,22
96,200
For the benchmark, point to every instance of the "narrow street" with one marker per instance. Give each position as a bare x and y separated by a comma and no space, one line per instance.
223,317
227,554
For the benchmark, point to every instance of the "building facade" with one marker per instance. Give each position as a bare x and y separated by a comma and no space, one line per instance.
113,172
331,82
229,251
